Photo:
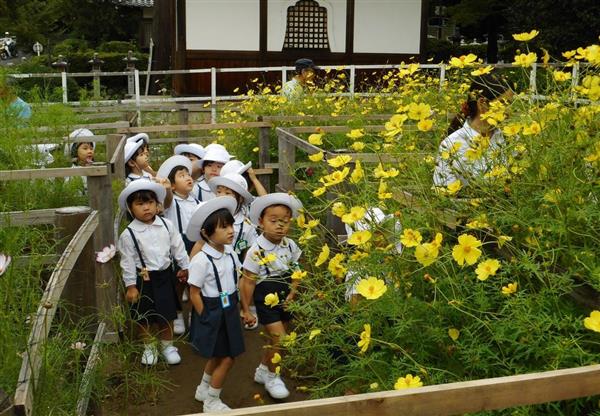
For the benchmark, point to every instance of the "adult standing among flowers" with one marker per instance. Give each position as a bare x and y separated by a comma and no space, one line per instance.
473,144
305,73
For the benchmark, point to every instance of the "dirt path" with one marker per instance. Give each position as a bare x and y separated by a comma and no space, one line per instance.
239,389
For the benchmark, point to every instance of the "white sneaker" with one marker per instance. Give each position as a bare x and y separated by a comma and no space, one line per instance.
214,405
201,392
179,325
150,355
273,383
171,355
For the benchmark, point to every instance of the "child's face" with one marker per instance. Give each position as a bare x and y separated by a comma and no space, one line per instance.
144,211
223,235
212,169
142,158
85,154
183,182
225,191
275,222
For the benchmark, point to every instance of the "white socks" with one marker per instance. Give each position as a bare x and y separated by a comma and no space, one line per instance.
214,393
264,367
206,378
165,344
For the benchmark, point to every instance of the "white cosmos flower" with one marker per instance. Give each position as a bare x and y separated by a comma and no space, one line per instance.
4,262
106,254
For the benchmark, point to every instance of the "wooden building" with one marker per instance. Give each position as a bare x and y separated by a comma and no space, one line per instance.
254,33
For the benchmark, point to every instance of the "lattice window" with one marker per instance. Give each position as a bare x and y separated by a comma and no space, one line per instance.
306,26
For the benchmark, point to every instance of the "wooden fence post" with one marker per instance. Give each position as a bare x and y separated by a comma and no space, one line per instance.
287,160
79,293
114,155
264,155
100,193
184,118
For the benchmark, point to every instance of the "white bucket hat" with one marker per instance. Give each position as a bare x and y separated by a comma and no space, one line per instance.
374,215
138,137
135,186
133,143
233,181
193,148
77,134
277,198
216,155
172,162
235,166
204,210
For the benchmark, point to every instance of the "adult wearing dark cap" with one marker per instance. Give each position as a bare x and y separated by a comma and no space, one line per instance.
305,72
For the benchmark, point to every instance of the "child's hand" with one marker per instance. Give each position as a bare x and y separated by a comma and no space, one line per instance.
251,173
289,299
248,318
166,183
132,294
182,275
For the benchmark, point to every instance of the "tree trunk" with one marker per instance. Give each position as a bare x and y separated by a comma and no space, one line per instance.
492,41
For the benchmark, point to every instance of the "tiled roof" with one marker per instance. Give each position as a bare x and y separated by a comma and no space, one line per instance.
135,3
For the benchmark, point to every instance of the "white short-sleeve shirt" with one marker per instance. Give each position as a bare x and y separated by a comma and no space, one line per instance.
457,166
187,206
133,177
201,191
157,244
248,235
201,273
286,254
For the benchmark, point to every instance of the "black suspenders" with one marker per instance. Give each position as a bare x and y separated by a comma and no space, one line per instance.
217,278
179,215
262,253
199,193
137,246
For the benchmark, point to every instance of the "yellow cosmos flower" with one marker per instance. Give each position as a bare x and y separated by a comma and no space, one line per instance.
272,300
355,134
365,339
316,139
525,37
338,209
289,339
319,191
314,333
323,255
269,258
467,250
503,239
512,129
419,111
463,61
299,275
408,382
525,60
426,253
312,224
453,333
357,146
454,187
335,177
358,173
509,289
371,288
425,125
335,266
410,238
382,191
276,358
592,322
359,255
394,126
339,161
533,128
482,71
316,157
437,241
487,268
358,238
379,172
561,76
355,214
374,386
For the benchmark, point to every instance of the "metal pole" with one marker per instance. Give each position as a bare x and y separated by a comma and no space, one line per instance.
442,75
213,95
352,78
283,76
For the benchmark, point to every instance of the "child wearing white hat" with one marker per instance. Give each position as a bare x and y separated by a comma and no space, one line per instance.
216,331
176,170
147,247
194,152
215,158
137,157
268,268
81,152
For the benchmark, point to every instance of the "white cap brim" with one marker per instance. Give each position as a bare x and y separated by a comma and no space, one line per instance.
196,150
204,210
138,137
216,181
131,148
277,198
141,185
172,162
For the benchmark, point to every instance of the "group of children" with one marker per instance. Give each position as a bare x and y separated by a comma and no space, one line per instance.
196,227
